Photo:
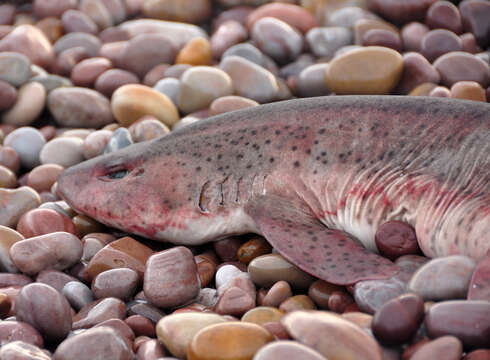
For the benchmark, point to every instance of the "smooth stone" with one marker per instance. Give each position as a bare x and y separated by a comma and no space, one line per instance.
54,278
396,238
79,107
15,202
286,349
176,71
311,81
266,270
469,43
370,295
7,14
253,248
230,103
27,143
94,242
52,27
176,331
30,41
239,340
293,69
5,305
350,73
297,302
98,311
147,128
67,59
482,354
42,177
397,320
466,320
124,252
7,178
63,151
277,39
155,74
363,26
131,102
97,11
250,80
445,15
479,288
234,301
86,72
331,335
38,222
186,11
475,14
229,33
339,301
174,269
92,343
119,139
169,87
440,91
113,34
468,90
78,294
348,16
381,37
86,225
227,248
361,319
22,350
443,278
247,51
8,95
416,71
144,52
120,327
401,12
77,21
36,254
15,68
141,326
439,42
200,85
412,35
19,331
90,43
225,274
8,237
13,281
291,14
262,314
320,292
196,52
110,80
51,82
114,51
31,99
44,308
151,349
325,41
46,8
119,283
206,270
446,347
144,308
460,66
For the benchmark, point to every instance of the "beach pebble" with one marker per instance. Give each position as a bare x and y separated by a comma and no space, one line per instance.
416,71
147,128
396,238
176,331
229,33
262,314
466,320
253,248
22,350
239,340
155,74
370,295
412,35
297,302
331,335
77,21
15,68
78,294
119,139
445,347
169,87
31,99
98,311
79,107
247,51
14,330
440,91
350,73
54,278
348,16
27,143
8,237
91,343
46,8
186,11
171,269
439,42
67,59
119,283
45,309
443,278
42,177
475,14
37,253
234,301
468,90
325,41
200,85
196,52
8,95
15,202
38,222
230,103
110,80
131,102
479,288
445,15
88,42
459,66
7,178
97,11
287,349
482,354
250,80
86,72
63,151
382,37
266,270
320,292
401,12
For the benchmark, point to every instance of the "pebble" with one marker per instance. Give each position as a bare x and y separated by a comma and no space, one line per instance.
479,288
8,95
86,225
144,308
381,37
266,270
331,335
196,52
86,72
52,27
229,33
206,269
229,103
225,274
169,87
42,177
67,59
63,151
363,26
44,308
370,295
397,320
466,320
227,248
445,347
155,74
262,314
468,90
186,11
443,278
110,80
171,269
30,41
131,102
320,292
475,14
250,80
253,248
297,302
15,202
239,340
88,42
15,68
285,349
51,82
97,11
147,128
121,328
445,15
325,41
439,42
8,237
291,14
247,51
98,311
14,330
176,331
310,81
77,21
396,238
234,301
277,39
151,349
31,99
200,85
482,354
46,8
7,14
119,139
22,350
27,143
141,326
91,343
416,71
440,91
460,66
350,73
36,254
119,283
412,35
7,178
38,222
78,294
348,16
401,12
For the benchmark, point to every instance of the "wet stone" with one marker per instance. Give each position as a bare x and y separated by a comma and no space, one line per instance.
382,37
15,68
141,326
325,41
348,16
439,42
78,294
234,301
262,314
444,14
396,238
151,349
169,87
320,292
460,66
400,12
98,311
412,35
8,95
279,292
90,43
7,178
482,354
247,51
475,14
144,308
155,74
416,71
22,350
119,283
42,177
19,331
119,139
339,301
445,347
38,222
27,142
468,90
287,349
31,99
229,33
63,151
147,128
86,72
297,302
15,203
196,52
370,295
110,80
479,288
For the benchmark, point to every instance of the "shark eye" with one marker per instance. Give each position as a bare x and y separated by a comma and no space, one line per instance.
116,174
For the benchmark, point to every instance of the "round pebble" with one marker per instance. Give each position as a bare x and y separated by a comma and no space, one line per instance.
119,139
169,87
187,11
110,80
468,90
118,283
196,52
297,302
416,71
475,14
8,237
230,103
325,41
77,21
7,178
27,143
445,347
412,35
67,59
262,314
63,151
15,202
22,350
479,288
99,311
15,68
439,42
86,72
31,99
140,325
14,330
320,291
147,128
8,95
38,222
460,66
90,43
95,143
247,51
445,15
42,177
287,350
78,294
396,238
229,33
370,295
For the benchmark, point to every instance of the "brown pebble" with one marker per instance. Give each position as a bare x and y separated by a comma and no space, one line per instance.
297,302
19,331
278,293
86,225
468,90
446,347
141,325
196,52
37,222
99,311
252,248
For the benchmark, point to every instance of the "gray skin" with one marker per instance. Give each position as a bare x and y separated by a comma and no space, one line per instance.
316,177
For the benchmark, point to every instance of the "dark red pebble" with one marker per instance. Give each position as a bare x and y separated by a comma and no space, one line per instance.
396,238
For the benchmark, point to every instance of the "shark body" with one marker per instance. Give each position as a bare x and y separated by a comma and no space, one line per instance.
315,177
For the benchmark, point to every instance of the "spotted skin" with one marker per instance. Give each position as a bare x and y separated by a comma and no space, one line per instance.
350,163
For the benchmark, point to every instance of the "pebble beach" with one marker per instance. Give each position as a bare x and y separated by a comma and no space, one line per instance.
83,78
